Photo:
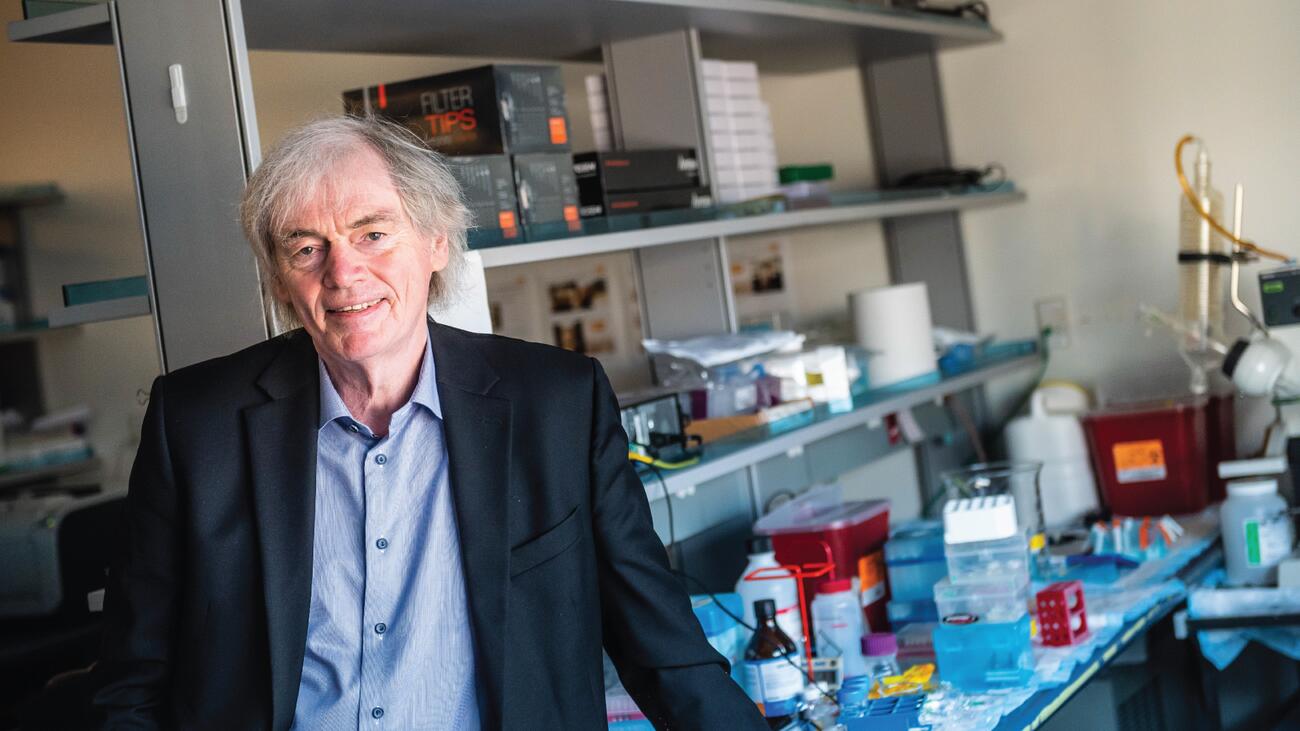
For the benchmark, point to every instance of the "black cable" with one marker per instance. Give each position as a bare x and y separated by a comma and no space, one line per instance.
751,628
668,503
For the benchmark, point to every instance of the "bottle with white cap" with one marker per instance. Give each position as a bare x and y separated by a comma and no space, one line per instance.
1256,527
783,590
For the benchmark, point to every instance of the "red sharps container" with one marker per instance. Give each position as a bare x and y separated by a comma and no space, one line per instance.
820,526
1160,457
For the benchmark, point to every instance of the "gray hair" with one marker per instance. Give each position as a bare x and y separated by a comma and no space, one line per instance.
292,170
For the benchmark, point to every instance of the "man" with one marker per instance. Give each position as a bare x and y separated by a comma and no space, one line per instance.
376,521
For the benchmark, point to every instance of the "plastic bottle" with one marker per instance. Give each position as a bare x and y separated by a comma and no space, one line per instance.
1257,531
880,653
771,668
785,592
837,619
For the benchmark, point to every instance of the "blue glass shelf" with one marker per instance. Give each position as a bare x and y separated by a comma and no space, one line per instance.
620,233
754,445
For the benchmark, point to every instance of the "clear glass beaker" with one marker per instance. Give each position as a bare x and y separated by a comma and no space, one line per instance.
1017,479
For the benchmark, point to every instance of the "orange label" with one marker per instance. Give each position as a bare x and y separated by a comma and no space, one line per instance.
871,577
506,219
1142,461
559,133
570,213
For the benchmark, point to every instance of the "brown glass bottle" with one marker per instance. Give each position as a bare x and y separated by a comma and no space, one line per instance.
772,670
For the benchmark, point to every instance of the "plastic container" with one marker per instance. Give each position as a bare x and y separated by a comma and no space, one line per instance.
982,656
819,526
903,614
729,392
1006,558
785,592
918,540
1052,435
915,561
837,620
880,652
723,632
1221,431
1155,458
916,644
995,599
1257,532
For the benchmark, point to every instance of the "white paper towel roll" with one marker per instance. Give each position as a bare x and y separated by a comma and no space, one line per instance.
893,325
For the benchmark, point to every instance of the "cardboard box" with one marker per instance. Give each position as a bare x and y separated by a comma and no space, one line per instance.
487,183
546,188
645,201
487,110
619,172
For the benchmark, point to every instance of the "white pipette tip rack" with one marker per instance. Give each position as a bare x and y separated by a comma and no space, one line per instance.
987,518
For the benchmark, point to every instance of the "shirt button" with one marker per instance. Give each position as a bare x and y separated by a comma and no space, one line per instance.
381,544
353,428
381,458
377,712
381,628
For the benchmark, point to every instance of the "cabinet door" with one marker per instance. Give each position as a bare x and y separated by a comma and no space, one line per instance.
204,279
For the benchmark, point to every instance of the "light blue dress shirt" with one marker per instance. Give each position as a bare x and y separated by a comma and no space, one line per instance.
389,640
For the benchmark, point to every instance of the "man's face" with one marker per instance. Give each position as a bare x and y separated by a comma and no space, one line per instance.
354,267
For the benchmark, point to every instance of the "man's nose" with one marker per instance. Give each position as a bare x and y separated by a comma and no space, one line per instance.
342,265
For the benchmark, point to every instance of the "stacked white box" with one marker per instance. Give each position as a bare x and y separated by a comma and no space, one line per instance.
740,131
598,108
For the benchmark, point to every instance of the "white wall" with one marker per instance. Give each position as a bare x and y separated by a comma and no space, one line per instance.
1083,104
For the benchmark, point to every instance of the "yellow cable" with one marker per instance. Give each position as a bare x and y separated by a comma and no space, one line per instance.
637,457
1196,206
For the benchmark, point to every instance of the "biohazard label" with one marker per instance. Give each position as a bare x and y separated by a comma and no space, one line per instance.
1142,461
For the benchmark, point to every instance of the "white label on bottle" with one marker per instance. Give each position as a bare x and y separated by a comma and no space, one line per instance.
1267,541
776,683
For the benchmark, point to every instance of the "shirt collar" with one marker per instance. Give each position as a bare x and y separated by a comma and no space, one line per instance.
425,393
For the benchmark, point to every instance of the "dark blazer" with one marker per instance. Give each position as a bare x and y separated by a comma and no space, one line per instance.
208,599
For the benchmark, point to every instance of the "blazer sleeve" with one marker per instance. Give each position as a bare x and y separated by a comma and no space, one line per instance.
650,632
133,673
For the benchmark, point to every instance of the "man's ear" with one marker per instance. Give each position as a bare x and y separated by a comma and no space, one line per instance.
441,252
278,291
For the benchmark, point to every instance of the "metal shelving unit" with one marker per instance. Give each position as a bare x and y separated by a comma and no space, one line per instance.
90,24
868,409
641,238
652,52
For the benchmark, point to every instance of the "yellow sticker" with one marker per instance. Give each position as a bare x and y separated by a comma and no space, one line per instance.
1142,461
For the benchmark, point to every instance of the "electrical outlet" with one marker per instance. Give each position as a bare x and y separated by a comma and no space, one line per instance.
1052,312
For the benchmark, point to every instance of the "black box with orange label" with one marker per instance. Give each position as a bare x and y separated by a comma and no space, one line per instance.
487,183
488,110
548,194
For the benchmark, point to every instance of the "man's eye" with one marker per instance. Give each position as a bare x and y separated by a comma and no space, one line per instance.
304,252
375,236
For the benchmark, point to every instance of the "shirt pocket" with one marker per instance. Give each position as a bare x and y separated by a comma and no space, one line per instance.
546,546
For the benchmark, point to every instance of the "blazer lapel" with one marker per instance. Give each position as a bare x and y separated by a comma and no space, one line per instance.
281,442
477,428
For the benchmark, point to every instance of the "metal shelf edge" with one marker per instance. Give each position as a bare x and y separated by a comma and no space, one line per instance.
690,477
25,477
90,24
642,238
881,18
100,311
